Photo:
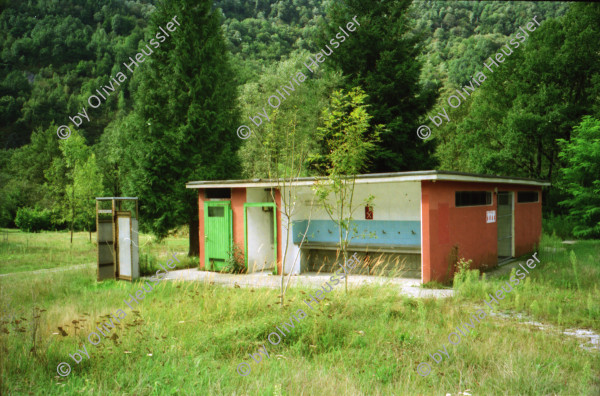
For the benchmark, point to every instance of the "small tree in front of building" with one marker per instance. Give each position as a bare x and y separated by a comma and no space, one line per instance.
286,152
347,143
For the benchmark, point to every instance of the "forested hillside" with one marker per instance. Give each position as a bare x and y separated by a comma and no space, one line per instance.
407,56
460,35
54,54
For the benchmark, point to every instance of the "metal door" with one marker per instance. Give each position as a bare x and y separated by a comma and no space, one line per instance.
217,234
505,225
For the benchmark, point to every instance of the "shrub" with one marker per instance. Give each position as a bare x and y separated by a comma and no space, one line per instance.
561,226
33,220
579,178
235,260
468,282
463,272
148,264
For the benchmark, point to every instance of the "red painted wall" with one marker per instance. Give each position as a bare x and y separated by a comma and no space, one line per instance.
201,225
444,226
528,224
238,199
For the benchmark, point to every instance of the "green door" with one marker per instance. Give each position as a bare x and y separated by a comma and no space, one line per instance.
217,234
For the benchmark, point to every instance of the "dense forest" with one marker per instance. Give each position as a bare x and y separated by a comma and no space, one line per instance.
174,118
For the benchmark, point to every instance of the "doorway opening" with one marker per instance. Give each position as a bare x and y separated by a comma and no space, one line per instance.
260,236
505,222
217,235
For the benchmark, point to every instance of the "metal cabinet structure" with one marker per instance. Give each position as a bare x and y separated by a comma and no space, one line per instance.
117,238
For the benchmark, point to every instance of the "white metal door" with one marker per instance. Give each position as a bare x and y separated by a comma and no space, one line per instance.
124,226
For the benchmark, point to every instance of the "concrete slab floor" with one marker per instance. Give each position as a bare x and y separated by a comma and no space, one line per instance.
407,286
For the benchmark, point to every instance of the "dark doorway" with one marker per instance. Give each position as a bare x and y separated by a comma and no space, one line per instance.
505,225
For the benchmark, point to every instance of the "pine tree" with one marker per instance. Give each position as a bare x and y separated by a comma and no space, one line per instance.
183,126
381,57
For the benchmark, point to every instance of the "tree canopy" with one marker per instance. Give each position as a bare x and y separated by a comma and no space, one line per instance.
175,118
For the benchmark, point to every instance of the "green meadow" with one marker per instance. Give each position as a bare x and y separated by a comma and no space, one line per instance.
189,337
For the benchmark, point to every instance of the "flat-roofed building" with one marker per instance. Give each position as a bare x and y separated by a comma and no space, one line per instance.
419,223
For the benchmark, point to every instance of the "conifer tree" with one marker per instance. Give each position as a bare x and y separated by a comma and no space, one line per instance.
381,56
185,115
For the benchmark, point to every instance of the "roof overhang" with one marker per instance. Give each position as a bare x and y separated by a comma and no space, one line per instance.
375,178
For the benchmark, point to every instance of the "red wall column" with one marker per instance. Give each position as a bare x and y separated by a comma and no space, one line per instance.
425,240
201,225
238,199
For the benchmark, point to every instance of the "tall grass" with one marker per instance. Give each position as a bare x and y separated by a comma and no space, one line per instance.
21,251
189,337
564,283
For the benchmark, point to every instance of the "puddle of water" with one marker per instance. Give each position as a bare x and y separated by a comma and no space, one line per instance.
592,340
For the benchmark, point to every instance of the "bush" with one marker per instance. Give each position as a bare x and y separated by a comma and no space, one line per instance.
579,178
33,220
561,226
469,282
235,261
148,264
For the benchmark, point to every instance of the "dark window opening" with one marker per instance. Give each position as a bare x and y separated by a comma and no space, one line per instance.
216,211
527,196
473,198
217,193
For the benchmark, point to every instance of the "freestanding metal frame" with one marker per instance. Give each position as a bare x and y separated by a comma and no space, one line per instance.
260,205
107,232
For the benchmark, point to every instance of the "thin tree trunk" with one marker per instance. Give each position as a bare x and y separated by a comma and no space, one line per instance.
72,212
194,234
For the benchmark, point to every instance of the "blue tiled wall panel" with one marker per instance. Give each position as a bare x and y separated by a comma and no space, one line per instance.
380,232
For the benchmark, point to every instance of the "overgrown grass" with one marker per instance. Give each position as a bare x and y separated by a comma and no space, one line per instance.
22,251
562,289
434,285
188,338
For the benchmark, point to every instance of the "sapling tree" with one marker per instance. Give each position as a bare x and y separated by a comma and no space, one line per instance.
286,153
347,143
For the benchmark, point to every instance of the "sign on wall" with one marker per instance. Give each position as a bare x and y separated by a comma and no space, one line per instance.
368,212
490,216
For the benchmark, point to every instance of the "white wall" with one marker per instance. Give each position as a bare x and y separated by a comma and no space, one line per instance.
260,232
393,201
